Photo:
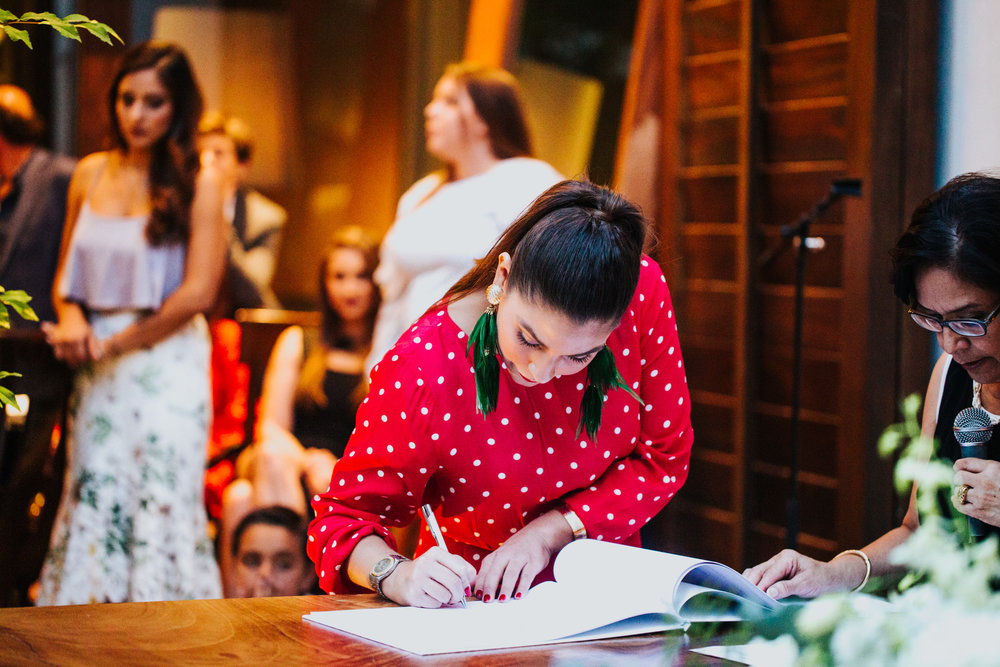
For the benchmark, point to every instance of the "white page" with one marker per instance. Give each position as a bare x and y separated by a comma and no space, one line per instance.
655,574
600,585
549,613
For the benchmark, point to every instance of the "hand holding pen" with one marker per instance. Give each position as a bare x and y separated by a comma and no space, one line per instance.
435,529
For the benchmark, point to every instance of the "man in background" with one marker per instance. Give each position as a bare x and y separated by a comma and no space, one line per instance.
33,188
257,222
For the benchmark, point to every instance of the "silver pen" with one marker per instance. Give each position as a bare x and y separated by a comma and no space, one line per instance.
435,529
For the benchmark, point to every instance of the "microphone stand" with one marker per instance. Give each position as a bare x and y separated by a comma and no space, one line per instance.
804,242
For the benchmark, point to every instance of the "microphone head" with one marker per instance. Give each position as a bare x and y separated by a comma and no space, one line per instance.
973,426
847,187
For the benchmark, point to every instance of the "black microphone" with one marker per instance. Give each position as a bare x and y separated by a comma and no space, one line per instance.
973,429
846,187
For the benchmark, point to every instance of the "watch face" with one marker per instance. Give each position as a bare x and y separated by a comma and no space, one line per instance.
383,565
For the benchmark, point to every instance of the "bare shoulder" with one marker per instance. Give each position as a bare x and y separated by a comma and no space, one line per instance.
288,346
91,165
933,395
209,178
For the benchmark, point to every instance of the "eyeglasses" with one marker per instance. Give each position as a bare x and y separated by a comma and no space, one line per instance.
964,327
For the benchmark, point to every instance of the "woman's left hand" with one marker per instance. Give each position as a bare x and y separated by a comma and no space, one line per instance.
508,572
982,500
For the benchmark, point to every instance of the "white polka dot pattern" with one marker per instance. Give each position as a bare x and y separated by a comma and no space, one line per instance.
489,476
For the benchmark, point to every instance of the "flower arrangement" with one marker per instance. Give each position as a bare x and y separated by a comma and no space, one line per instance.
944,611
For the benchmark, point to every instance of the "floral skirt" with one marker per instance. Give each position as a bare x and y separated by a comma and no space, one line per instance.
131,524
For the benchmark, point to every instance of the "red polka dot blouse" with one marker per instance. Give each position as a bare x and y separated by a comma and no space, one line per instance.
419,439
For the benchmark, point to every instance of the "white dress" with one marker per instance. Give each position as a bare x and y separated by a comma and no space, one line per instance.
131,524
440,230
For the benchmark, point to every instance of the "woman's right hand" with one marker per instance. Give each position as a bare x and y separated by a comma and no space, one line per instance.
435,579
790,573
72,339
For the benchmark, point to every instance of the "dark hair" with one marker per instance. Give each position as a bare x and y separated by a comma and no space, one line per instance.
217,122
957,229
332,330
275,515
576,248
174,164
19,129
497,98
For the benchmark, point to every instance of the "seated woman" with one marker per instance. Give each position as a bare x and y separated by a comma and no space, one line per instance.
310,393
269,554
541,401
945,270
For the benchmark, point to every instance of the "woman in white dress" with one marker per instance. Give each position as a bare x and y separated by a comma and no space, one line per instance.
475,124
142,257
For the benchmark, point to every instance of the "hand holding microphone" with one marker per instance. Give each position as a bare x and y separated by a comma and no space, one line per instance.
973,429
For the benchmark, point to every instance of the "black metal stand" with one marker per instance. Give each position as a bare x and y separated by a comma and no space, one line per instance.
803,243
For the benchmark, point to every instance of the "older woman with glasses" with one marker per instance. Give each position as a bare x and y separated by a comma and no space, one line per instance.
946,268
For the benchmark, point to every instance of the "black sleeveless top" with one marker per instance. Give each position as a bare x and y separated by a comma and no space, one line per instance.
328,427
956,395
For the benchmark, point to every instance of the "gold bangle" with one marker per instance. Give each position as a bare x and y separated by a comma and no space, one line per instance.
579,530
868,565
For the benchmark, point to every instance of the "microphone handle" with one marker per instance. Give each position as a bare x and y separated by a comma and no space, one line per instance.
976,450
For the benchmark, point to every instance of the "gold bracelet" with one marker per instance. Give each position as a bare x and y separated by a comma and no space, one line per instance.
579,530
868,565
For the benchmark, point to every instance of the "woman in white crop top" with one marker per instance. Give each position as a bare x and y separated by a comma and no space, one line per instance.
142,257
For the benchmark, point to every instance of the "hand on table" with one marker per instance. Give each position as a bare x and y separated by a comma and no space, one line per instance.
790,573
435,579
508,572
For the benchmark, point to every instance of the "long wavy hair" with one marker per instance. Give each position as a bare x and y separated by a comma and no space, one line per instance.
333,333
577,249
174,163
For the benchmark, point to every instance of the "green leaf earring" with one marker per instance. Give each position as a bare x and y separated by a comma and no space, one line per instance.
602,377
483,344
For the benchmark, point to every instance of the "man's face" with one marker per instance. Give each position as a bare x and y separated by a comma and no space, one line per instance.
219,152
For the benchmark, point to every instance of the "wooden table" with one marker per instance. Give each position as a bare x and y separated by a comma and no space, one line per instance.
269,631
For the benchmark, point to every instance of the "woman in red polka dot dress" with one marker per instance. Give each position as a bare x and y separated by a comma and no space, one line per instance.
515,465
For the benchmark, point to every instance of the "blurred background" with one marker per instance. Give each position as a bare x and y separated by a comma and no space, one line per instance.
723,119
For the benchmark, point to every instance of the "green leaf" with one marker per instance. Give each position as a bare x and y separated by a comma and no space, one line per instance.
68,26
18,300
7,398
41,17
4,318
9,374
17,35
101,31
66,30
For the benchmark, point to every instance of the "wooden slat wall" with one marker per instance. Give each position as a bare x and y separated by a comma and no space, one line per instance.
765,104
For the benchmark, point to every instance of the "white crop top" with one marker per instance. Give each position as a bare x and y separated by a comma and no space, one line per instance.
112,266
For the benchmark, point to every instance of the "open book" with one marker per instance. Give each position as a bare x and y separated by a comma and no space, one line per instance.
601,590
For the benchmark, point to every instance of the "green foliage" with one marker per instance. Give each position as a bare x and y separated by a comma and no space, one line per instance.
18,300
951,586
68,26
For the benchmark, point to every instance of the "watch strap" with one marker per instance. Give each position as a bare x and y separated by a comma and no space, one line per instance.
375,579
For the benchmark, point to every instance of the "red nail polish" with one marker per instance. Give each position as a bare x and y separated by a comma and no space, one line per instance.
467,592
479,594
517,596
503,596
486,598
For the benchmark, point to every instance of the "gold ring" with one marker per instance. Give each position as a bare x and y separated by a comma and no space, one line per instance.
961,493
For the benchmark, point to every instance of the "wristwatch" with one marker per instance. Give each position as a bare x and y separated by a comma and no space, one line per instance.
382,569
